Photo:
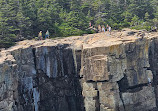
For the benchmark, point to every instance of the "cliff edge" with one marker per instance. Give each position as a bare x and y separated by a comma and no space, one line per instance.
96,72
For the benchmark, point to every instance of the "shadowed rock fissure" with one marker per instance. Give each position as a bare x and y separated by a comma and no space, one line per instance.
120,93
124,87
61,93
91,81
34,56
97,103
153,60
123,84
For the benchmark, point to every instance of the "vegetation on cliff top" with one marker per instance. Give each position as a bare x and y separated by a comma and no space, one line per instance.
23,19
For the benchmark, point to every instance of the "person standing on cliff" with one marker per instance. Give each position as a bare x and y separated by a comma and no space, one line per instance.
47,34
103,28
109,30
99,28
40,35
90,24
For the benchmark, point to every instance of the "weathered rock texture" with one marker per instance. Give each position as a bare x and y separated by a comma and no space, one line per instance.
97,72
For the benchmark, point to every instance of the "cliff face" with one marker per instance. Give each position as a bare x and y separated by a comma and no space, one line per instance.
96,72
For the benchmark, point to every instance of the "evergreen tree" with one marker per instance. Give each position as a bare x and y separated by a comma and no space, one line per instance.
23,19
147,16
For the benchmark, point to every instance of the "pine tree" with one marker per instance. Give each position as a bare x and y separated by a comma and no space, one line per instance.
134,21
147,16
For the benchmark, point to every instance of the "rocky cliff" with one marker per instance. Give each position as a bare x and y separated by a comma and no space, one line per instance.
97,72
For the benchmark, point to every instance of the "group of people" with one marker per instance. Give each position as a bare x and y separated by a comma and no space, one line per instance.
40,36
103,29
100,28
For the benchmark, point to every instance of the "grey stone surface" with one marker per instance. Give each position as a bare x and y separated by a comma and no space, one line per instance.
80,74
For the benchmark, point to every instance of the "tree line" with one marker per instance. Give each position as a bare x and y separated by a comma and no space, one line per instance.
23,19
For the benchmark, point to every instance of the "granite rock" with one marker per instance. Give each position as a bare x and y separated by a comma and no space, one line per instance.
95,72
